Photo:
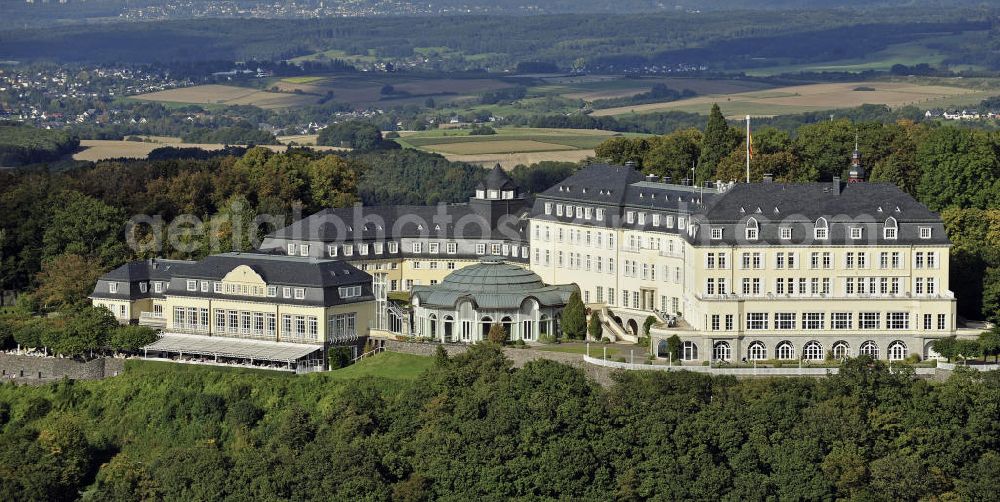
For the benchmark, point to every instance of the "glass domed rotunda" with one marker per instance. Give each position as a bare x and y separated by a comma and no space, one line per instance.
463,306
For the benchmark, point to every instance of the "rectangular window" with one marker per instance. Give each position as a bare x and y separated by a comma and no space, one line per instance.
452,247
856,233
113,287
715,322
157,287
291,249
729,322
348,250
349,291
433,248
756,320
300,293
481,249
204,286
559,209
417,247
630,217
783,320
548,208
378,247
192,285
813,320
331,251
897,320
786,233
842,320
942,321
716,233
303,250
272,291
600,214
928,321
869,320
925,232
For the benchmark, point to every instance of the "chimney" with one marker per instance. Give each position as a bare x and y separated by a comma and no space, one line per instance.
836,184
668,179
630,163
652,178
768,177
686,182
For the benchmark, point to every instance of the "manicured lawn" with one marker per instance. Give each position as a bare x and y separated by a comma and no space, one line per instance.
387,365
596,349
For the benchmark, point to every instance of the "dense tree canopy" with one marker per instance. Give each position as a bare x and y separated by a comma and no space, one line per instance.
473,427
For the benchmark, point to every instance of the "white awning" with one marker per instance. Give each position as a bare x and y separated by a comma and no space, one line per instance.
257,350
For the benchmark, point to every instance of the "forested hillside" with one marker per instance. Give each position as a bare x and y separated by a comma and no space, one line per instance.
611,42
26,145
473,428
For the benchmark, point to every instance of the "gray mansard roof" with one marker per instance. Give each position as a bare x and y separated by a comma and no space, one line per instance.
396,222
773,205
492,284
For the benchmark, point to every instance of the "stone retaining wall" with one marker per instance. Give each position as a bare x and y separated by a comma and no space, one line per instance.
41,369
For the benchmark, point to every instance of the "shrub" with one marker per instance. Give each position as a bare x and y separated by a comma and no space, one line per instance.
339,357
497,334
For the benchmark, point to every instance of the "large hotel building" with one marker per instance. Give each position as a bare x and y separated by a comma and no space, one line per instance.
737,271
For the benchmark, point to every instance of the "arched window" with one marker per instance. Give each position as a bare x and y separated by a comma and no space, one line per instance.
752,229
449,328
508,327
897,351
869,348
661,349
841,350
484,327
757,351
721,351
813,351
432,326
821,230
891,229
785,350
689,351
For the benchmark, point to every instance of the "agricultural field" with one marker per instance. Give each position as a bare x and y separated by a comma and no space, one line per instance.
509,146
367,89
594,87
230,95
814,97
94,150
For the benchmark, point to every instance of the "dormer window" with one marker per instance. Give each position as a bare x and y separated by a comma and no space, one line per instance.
579,211
417,247
856,233
821,230
891,229
481,194
303,250
378,247
393,247
630,216
716,233
752,229
143,287
433,247
587,213
291,249
786,233
559,209
112,287
332,251
157,287
363,249
494,194
656,220
348,250
548,208
925,232
600,214
642,218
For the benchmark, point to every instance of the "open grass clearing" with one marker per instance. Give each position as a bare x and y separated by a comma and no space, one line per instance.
392,365
804,98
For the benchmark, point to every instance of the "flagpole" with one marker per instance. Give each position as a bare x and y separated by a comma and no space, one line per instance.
748,149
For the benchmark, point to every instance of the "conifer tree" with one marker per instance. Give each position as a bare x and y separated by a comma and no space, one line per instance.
717,142
574,318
